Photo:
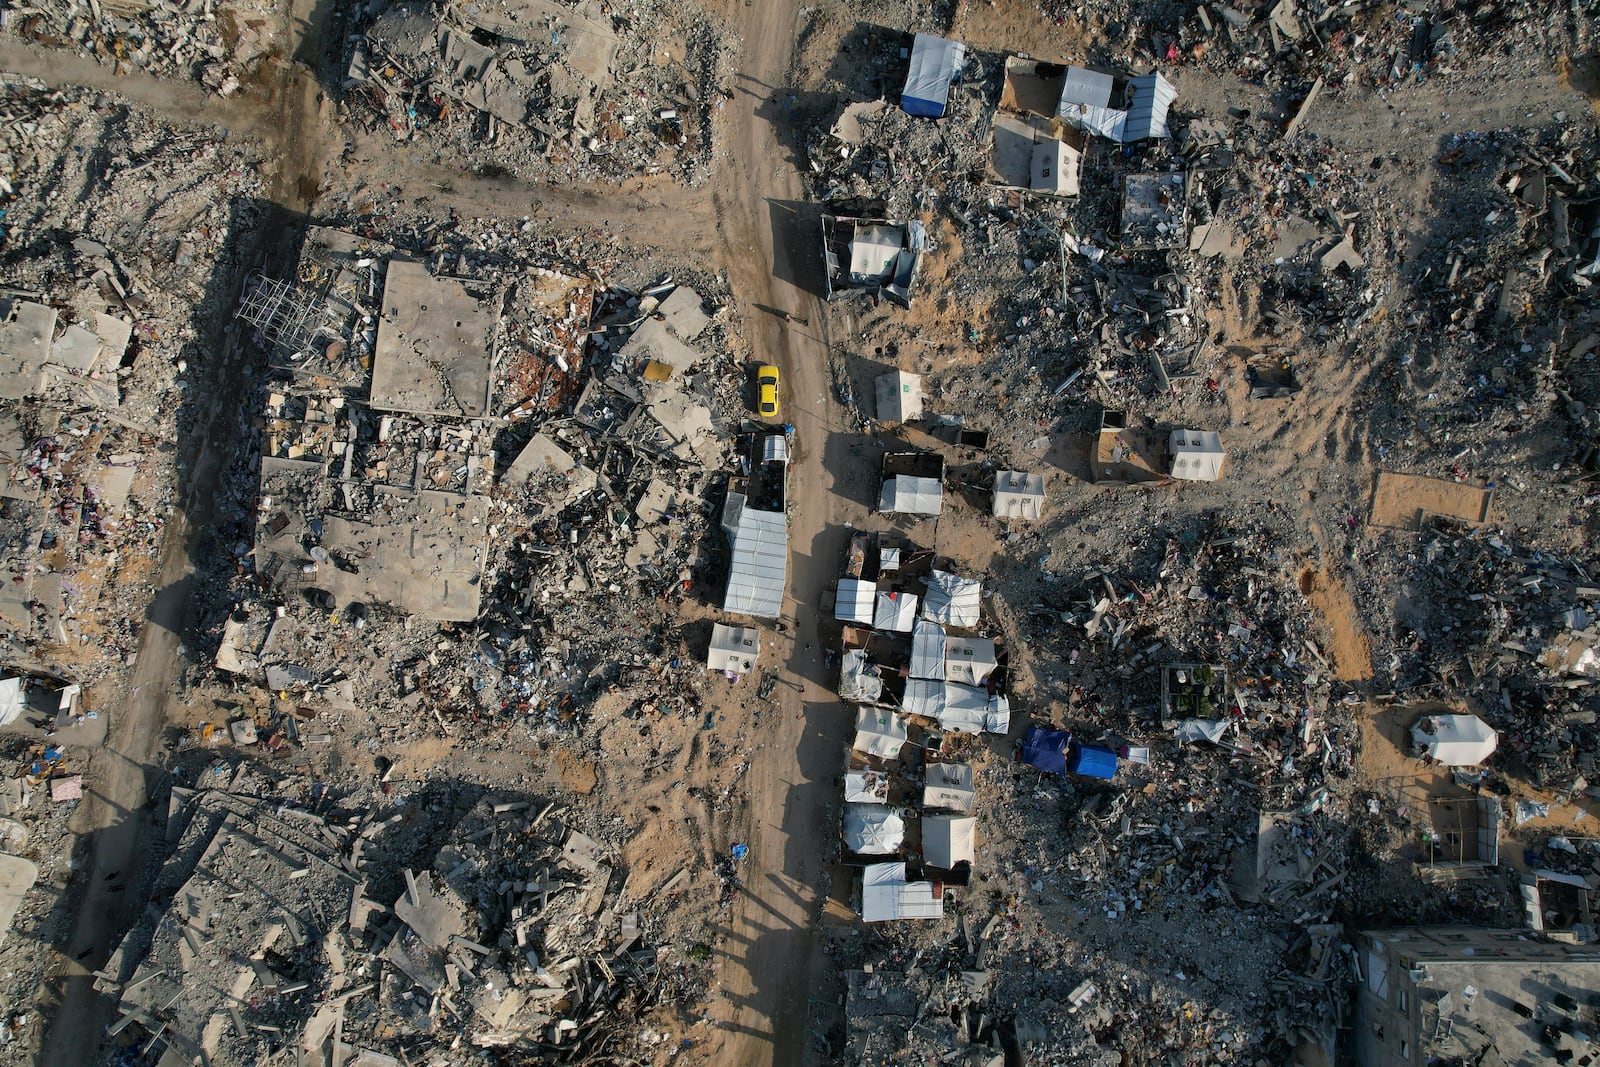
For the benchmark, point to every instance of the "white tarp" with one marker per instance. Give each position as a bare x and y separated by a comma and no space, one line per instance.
1213,730
948,785
896,612
858,682
879,732
873,829
935,61
12,701
1107,122
734,648
760,564
927,650
899,396
873,250
1197,455
1018,495
965,710
948,840
1086,87
866,787
969,660
888,558
855,601
886,895
924,696
997,720
1455,740
904,494
952,599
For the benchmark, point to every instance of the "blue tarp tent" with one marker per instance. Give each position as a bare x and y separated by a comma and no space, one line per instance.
1046,750
935,61
1091,761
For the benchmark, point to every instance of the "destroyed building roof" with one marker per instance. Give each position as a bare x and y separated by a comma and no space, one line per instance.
879,732
734,648
935,63
1455,740
907,495
873,829
1197,455
26,330
421,552
948,840
858,679
434,345
899,396
1018,495
953,600
759,565
969,660
854,601
948,785
1147,111
927,649
895,612
667,335
886,895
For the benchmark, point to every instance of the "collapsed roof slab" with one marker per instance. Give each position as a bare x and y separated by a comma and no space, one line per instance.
433,350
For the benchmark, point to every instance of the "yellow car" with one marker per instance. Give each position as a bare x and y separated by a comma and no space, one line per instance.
767,392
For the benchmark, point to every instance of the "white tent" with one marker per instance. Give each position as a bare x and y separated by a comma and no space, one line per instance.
997,720
760,564
905,494
1054,168
858,680
1018,495
899,397
734,648
1197,455
1147,112
1455,740
924,696
873,250
927,650
948,785
948,840
935,62
12,700
896,612
969,660
866,787
1086,87
854,602
965,709
879,733
886,895
888,558
873,829
952,599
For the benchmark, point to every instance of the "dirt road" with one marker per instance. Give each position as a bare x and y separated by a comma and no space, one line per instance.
765,237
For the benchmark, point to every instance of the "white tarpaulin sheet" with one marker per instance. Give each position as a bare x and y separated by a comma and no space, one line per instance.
907,495
873,829
965,710
12,700
924,696
948,785
1213,730
873,251
858,682
998,718
1455,740
879,732
969,660
854,602
866,787
896,612
927,650
935,61
886,895
1085,87
948,840
952,599
760,564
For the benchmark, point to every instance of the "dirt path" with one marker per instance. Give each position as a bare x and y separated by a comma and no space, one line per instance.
766,236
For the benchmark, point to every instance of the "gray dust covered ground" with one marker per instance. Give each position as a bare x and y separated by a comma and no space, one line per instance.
377,400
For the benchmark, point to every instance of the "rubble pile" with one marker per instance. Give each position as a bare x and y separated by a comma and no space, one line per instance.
285,916
544,91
